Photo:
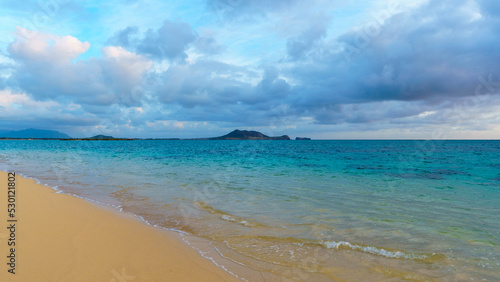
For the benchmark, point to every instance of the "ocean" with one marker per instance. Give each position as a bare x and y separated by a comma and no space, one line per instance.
303,210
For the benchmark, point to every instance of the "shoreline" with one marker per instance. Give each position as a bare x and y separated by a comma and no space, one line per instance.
61,237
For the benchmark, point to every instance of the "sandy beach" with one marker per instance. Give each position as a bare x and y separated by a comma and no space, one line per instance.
59,237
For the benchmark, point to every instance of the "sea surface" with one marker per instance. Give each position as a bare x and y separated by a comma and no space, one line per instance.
304,210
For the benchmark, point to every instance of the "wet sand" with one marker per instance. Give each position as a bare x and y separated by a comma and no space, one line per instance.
59,237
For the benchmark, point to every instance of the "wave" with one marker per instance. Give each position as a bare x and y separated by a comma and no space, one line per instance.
375,251
225,216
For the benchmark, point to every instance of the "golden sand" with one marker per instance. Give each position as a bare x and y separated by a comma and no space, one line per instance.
63,238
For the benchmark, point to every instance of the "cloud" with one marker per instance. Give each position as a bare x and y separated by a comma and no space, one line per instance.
298,46
211,83
433,53
46,47
239,9
271,85
490,7
170,41
19,110
47,70
207,44
124,37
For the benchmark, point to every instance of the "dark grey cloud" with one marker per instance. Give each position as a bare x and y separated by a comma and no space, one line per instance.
208,45
124,37
272,84
298,46
490,7
432,54
209,82
216,91
170,41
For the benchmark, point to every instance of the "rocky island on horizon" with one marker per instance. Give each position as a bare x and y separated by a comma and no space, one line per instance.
99,137
248,135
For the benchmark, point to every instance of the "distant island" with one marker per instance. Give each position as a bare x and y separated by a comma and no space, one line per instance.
39,134
98,138
248,135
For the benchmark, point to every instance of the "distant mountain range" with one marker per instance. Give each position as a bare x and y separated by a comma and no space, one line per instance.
34,133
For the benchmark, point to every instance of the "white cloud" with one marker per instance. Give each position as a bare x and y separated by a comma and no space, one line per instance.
46,71
18,110
13,101
46,47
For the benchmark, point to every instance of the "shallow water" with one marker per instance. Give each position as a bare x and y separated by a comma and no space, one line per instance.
414,210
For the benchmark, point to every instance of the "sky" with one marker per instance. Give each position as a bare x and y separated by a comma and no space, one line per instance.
326,69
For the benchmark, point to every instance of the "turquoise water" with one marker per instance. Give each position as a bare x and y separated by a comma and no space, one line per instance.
418,210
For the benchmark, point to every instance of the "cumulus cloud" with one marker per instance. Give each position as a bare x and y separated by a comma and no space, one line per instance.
298,46
46,47
47,70
207,44
18,110
170,41
125,37
214,84
432,53
272,86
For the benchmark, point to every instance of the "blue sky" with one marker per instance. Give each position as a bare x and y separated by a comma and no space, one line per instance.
373,69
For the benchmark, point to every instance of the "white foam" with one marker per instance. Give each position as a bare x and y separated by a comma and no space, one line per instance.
235,220
372,250
203,254
228,218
